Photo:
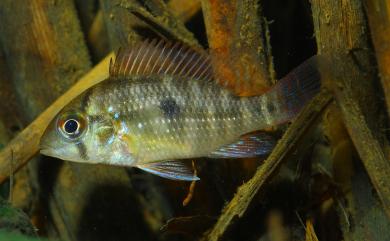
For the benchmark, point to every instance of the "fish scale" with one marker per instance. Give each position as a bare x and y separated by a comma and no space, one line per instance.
162,103
174,137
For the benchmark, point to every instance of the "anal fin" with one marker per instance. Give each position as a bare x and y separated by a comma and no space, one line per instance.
174,170
251,145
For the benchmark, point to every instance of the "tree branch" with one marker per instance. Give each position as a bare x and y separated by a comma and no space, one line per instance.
378,12
238,40
353,81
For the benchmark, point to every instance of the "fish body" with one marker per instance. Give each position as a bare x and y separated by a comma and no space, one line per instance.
158,106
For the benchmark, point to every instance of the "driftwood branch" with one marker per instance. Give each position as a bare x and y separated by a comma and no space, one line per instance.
26,143
237,207
238,40
162,20
368,147
126,21
353,82
184,10
37,53
378,12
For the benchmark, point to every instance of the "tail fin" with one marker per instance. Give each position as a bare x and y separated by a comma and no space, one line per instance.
298,87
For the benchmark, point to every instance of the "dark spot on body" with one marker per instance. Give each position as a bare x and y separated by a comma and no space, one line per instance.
169,107
270,107
82,150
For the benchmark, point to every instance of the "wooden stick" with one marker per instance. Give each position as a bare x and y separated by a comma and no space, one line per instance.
184,10
26,143
160,18
353,81
238,41
368,147
378,12
237,207
122,17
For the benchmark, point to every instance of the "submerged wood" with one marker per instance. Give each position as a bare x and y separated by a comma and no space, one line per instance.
353,72
162,21
37,53
10,117
378,13
26,144
184,10
238,40
128,22
368,147
238,206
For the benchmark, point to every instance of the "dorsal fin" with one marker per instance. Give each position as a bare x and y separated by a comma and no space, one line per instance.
152,57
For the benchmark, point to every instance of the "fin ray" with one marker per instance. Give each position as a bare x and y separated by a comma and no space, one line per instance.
174,170
160,57
298,87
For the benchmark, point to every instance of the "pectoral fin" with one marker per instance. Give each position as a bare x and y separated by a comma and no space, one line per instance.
174,170
252,145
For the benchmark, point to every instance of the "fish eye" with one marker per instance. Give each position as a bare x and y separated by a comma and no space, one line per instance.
71,126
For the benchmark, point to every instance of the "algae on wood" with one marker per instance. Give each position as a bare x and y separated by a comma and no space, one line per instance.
353,80
239,42
378,13
14,220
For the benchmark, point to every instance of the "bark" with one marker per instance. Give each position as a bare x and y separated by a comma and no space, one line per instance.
378,13
40,54
97,38
10,118
127,21
353,81
239,42
184,10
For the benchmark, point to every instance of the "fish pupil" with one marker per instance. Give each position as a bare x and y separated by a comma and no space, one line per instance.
71,126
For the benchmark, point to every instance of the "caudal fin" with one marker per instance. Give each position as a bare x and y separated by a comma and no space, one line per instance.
297,88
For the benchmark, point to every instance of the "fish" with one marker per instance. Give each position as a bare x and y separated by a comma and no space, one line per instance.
162,104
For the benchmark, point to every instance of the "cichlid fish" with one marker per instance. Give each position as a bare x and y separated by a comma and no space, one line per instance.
161,103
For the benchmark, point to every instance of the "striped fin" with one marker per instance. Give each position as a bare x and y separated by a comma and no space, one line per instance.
298,87
174,170
166,58
251,145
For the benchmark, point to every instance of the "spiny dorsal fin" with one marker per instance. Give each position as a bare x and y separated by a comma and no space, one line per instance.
152,57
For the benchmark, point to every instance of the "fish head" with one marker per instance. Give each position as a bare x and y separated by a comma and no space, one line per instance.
78,136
